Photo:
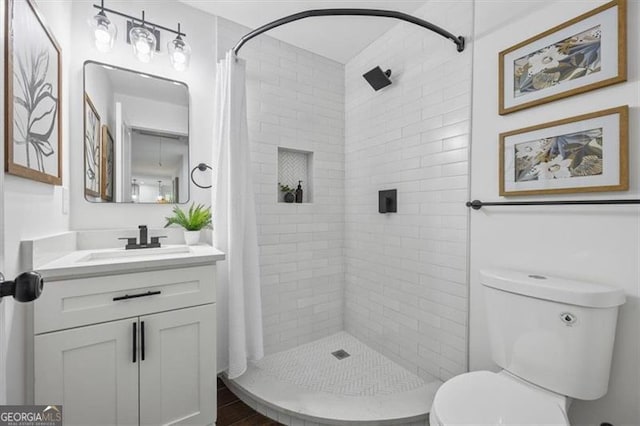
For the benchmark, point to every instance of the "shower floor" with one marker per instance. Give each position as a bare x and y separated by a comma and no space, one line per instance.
308,385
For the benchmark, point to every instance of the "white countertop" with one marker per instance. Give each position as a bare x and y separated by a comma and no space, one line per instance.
78,263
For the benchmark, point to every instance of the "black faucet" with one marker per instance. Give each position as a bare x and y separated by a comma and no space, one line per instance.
143,243
143,234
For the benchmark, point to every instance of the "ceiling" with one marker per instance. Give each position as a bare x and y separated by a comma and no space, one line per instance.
143,86
336,37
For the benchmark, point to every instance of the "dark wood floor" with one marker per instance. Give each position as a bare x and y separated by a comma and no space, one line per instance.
232,411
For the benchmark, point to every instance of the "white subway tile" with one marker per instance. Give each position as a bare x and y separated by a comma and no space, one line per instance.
397,282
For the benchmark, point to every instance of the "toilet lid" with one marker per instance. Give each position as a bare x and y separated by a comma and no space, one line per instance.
486,398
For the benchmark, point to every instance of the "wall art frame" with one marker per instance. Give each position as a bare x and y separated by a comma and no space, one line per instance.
585,153
33,95
579,55
92,142
107,165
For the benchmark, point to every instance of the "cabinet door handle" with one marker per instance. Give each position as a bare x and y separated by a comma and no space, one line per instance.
135,342
141,340
133,296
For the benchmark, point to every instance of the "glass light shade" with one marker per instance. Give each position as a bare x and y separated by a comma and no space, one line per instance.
179,53
160,197
143,42
135,190
104,32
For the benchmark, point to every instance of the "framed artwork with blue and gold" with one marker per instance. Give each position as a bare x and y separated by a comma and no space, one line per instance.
583,54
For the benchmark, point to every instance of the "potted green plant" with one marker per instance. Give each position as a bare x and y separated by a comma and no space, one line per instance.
197,218
288,193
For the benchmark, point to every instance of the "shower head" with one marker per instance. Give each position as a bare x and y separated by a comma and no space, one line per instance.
378,78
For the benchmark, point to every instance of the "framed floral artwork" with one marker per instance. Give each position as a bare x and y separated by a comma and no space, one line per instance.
106,165
33,61
587,153
585,53
92,157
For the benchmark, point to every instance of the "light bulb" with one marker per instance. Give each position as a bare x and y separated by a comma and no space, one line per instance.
143,42
179,67
103,41
179,57
102,35
143,58
104,32
179,53
142,47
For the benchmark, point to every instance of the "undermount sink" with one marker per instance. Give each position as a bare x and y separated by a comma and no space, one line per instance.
125,254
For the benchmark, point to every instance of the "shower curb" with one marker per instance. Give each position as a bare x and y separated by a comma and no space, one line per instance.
290,418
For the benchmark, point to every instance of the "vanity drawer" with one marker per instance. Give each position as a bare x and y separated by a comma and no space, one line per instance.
77,302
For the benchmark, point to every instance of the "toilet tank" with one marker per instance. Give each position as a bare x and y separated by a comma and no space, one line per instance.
553,332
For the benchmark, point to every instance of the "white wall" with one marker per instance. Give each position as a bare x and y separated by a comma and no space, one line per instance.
154,115
200,30
295,100
100,92
599,243
406,293
3,315
32,209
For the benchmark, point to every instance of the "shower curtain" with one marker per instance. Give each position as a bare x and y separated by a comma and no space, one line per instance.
235,230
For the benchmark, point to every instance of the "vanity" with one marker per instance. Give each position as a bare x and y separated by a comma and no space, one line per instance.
125,336
125,328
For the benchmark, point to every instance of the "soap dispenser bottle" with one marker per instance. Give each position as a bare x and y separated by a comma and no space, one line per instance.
299,192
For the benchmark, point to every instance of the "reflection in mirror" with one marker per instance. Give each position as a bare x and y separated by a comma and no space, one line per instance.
136,137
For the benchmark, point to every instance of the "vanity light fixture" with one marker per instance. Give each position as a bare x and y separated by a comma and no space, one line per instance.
104,31
143,35
179,52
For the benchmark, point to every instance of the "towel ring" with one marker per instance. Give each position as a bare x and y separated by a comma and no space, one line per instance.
202,167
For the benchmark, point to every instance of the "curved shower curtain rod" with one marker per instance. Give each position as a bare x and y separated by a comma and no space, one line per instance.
459,41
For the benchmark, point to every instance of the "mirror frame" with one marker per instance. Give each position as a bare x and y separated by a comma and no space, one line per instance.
145,75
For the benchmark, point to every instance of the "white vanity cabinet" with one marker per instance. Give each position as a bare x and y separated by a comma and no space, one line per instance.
89,371
129,349
177,377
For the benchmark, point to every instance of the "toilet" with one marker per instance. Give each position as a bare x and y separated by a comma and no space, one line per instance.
553,339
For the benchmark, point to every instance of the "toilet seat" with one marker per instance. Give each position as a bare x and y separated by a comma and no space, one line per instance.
486,398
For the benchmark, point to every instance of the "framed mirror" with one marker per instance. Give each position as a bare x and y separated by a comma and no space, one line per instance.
136,137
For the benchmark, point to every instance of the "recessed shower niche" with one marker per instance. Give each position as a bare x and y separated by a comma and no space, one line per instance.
295,167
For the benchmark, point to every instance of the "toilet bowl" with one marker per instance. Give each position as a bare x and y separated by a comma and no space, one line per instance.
540,329
486,398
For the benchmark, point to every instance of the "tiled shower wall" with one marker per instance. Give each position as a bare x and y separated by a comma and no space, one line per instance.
406,292
296,101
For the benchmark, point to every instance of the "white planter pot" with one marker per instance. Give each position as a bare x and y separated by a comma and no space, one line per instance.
191,238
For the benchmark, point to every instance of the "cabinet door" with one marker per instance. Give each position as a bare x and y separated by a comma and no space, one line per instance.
178,373
90,371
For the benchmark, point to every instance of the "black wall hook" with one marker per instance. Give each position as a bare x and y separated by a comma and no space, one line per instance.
202,167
